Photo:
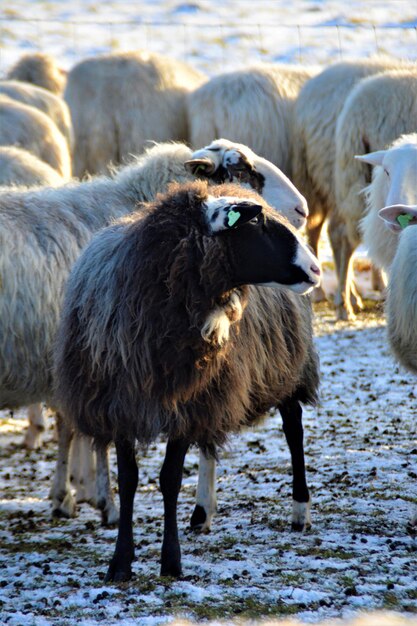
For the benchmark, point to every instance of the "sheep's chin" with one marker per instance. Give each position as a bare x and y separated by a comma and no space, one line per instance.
301,288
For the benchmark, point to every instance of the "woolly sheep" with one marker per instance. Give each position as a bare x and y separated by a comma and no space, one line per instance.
41,99
401,305
120,101
394,177
316,110
378,110
51,226
253,106
401,302
39,69
20,167
26,127
162,334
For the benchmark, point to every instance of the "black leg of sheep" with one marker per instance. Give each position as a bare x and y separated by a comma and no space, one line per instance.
291,413
120,565
170,481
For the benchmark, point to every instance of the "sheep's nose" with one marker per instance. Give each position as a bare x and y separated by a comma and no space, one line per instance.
315,269
301,210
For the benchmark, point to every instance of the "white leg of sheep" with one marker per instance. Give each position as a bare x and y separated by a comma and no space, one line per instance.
104,496
63,502
83,469
291,413
346,296
206,500
36,428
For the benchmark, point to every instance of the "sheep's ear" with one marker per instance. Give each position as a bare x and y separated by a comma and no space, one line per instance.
398,216
200,167
373,158
238,165
227,213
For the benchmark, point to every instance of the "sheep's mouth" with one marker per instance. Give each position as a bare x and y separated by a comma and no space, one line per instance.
301,212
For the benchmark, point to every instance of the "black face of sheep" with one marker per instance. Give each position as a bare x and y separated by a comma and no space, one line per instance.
264,251
143,346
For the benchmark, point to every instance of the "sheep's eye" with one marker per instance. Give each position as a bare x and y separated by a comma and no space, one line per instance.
386,172
255,220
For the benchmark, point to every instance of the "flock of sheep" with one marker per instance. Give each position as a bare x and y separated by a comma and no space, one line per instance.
164,253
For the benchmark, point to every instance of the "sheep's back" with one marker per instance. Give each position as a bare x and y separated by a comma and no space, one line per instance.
315,116
252,106
378,110
120,101
26,126
42,99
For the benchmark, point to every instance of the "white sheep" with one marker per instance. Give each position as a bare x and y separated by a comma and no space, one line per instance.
120,101
316,110
39,69
51,226
401,305
47,102
378,110
401,302
394,182
26,127
20,167
253,106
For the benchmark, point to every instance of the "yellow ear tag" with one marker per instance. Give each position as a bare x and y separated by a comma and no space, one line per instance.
232,217
404,219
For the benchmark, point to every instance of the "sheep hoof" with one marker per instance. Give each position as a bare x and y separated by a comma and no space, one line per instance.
109,515
172,570
200,521
301,519
64,507
344,314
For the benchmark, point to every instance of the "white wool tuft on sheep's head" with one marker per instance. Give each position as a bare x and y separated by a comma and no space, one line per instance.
225,160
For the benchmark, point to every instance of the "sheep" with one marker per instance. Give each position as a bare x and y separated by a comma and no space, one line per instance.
41,99
378,110
20,167
253,106
120,101
401,301
39,69
51,226
316,110
401,305
394,177
163,332
26,127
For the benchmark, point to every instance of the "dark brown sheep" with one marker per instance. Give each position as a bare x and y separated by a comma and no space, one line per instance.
161,333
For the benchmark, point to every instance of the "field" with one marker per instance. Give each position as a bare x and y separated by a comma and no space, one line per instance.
361,442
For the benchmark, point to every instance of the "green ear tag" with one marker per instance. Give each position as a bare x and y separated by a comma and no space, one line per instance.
404,219
232,217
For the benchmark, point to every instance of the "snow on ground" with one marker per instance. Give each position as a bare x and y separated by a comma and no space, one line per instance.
361,442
